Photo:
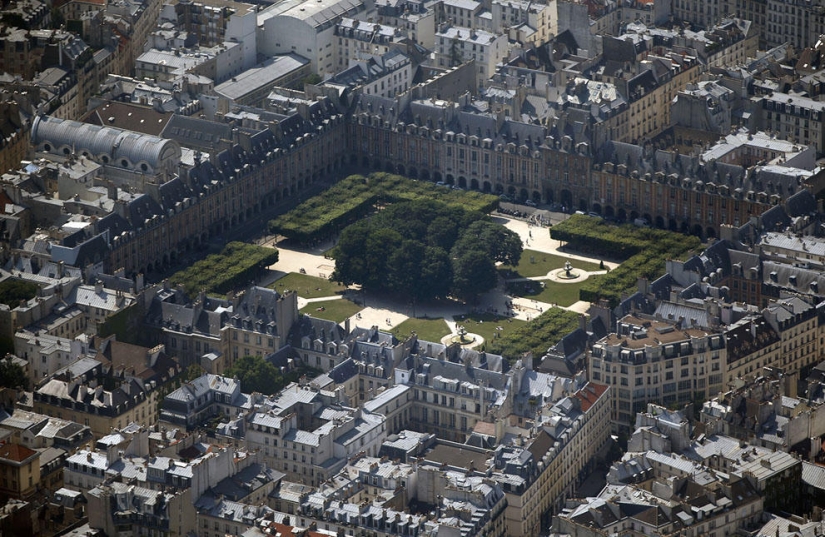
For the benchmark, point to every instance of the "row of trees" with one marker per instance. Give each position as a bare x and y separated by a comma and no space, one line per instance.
236,266
425,249
645,251
536,336
350,199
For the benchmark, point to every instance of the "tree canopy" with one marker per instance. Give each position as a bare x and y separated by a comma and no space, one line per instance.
12,375
259,375
238,265
12,291
425,249
256,375
644,250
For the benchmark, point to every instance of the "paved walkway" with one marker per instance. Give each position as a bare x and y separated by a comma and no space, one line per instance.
386,313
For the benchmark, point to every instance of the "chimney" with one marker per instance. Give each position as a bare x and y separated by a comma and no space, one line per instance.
98,287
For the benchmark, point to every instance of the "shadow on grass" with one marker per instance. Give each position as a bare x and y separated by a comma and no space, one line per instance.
307,286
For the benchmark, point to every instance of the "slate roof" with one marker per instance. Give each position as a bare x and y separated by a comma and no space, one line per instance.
129,116
196,133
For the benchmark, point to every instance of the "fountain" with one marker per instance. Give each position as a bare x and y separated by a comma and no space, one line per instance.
463,338
567,273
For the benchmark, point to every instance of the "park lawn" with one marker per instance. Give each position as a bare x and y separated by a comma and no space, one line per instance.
307,286
334,310
534,263
484,324
563,294
426,329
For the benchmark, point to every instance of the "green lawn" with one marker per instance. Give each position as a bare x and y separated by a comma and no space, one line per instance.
485,324
563,294
426,329
307,286
333,310
535,263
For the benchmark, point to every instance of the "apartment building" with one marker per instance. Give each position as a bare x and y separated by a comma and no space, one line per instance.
413,19
693,204
649,361
114,507
124,239
525,22
791,117
456,45
306,434
388,75
20,471
38,431
202,398
357,40
436,140
734,505
213,22
753,344
538,479
76,393
255,322
706,106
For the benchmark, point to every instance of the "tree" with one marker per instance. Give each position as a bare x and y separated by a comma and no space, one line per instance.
12,375
313,79
403,249
498,242
442,232
256,375
456,56
473,273
436,274
12,291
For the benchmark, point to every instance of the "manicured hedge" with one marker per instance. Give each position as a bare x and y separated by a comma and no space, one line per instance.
644,250
236,266
354,197
536,336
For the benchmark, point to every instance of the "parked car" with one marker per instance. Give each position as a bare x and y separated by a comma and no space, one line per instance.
505,197
531,203
594,214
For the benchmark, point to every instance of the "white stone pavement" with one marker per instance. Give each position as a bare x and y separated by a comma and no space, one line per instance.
387,314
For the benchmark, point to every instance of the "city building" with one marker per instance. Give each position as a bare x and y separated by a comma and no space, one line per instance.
20,470
651,361
456,45
77,393
307,28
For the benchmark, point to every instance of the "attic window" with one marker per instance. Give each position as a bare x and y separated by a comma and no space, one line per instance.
124,163
47,147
